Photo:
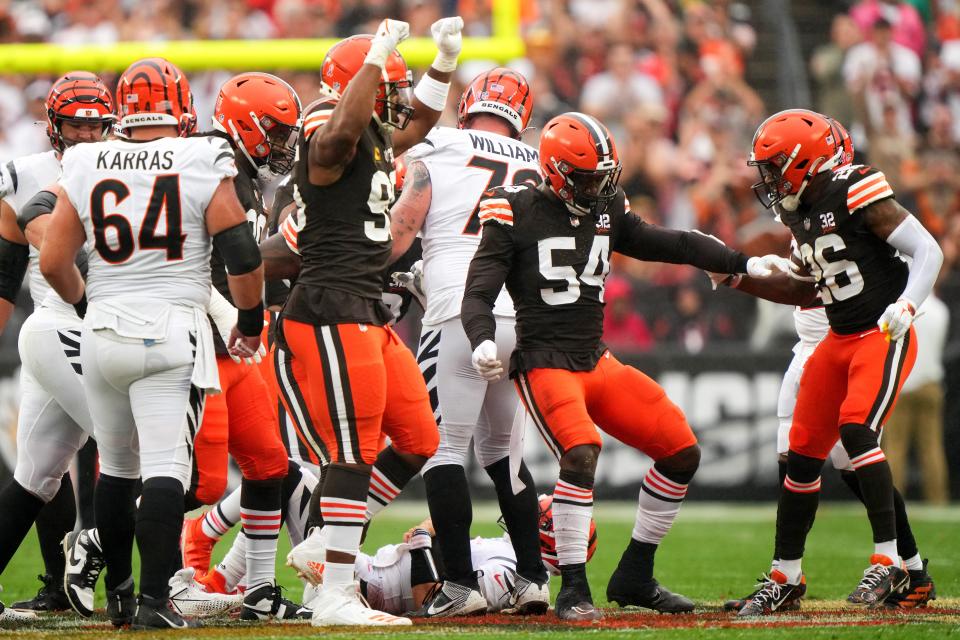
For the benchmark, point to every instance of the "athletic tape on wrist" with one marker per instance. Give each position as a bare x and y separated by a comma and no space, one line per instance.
444,62
432,92
378,54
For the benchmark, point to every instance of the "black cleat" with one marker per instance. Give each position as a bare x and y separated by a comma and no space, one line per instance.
49,598
574,601
266,602
791,604
155,613
919,594
771,597
880,581
650,595
121,605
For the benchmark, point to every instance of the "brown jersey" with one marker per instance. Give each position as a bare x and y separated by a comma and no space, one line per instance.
343,231
858,273
555,265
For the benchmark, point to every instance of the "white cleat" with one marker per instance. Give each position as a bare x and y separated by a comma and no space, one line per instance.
190,599
528,598
16,616
307,558
341,606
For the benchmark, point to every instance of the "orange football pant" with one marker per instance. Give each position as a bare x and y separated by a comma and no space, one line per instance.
239,420
363,382
849,379
568,406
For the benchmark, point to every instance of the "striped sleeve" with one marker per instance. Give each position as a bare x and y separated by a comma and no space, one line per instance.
867,191
497,210
290,228
316,119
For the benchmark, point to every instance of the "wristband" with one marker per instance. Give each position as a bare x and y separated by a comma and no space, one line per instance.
250,321
432,93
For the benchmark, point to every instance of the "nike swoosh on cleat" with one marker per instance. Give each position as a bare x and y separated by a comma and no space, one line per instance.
432,610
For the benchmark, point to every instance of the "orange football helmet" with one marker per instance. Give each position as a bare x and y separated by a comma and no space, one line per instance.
343,62
80,97
548,544
579,162
399,174
502,92
261,113
789,149
154,92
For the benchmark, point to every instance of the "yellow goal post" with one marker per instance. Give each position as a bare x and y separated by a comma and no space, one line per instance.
504,44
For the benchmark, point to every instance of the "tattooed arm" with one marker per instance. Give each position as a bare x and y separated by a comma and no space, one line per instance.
409,212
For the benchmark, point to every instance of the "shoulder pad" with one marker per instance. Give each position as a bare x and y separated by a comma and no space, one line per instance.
866,186
317,114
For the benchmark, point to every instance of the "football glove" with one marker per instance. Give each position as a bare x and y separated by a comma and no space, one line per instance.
486,363
389,34
768,265
897,318
224,317
412,281
449,40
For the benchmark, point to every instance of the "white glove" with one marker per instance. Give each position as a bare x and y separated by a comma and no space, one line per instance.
768,265
389,34
449,40
897,318
224,317
486,363
412,281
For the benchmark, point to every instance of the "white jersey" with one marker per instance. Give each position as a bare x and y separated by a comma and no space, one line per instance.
387,574
811,324
20,180
143,208
463,163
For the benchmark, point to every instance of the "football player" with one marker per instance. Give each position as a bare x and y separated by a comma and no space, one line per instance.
812,326
260,116
362,379
448,174
850,233
53,422
551,245
146,210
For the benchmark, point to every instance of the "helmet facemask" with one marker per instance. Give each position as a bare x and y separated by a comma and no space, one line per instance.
394,100
587,191
773,187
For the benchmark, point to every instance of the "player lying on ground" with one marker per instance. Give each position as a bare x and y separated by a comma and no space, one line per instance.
812,326
551,245
850,233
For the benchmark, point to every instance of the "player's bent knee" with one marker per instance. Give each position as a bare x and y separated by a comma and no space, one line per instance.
581,459
43,488
803,469
682,465
858,439
270,465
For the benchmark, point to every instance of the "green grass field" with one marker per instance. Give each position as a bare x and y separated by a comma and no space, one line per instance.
714,552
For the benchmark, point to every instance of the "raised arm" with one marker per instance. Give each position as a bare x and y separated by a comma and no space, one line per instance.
409,212
430,94
333,145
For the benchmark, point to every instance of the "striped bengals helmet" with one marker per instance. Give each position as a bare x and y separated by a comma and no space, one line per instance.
548,545
154,92
80,97
502,92
579,162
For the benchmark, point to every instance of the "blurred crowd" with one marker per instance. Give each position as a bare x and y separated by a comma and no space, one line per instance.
668,77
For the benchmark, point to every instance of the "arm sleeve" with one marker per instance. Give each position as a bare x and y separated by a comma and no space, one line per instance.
39,205
912,239
637,239
488,271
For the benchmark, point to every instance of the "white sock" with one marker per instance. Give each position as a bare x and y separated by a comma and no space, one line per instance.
791,569
261,529
889,549
382,493
775,564
223,516
337,575
659,504
234,564
915,563
572,509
